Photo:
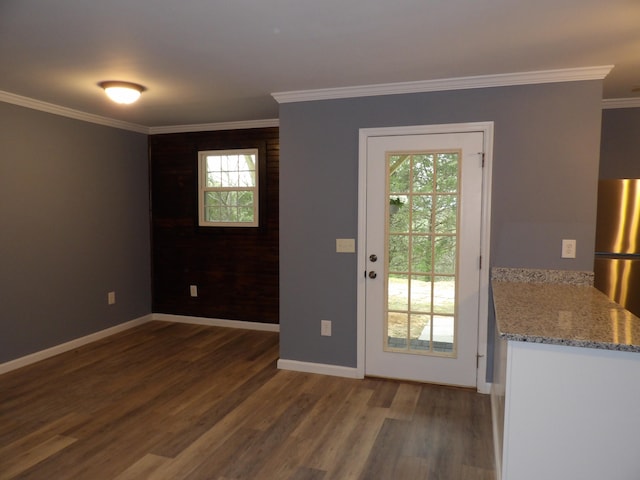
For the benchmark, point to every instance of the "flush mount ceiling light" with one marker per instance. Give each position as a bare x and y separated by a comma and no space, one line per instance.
122,92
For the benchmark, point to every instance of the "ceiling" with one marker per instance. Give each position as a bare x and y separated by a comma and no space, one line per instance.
208,61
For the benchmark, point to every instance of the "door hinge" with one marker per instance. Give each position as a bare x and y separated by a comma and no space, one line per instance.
478,357
482,158
480,262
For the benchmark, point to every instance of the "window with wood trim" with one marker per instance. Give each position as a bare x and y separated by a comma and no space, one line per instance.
228,188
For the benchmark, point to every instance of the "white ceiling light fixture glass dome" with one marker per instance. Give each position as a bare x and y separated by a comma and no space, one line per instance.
122,92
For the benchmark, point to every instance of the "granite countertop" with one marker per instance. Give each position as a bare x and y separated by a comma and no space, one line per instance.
562,314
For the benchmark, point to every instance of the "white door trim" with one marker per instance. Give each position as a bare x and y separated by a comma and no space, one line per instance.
364,134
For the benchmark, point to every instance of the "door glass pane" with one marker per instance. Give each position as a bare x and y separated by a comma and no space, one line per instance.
445,254
421,253
398,253
398,293
398,214
421,213
443,333
447,172
400,171
444,295
446,217
421,287
420,332
397,327
422,225
423,173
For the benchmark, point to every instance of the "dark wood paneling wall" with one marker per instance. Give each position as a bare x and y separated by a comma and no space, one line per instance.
235,269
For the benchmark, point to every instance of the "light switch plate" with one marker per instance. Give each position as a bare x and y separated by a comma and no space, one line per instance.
325,328
345,245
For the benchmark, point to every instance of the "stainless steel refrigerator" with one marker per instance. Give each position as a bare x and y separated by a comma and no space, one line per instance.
617,258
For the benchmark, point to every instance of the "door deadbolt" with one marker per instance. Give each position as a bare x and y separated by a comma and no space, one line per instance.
372,274
373,257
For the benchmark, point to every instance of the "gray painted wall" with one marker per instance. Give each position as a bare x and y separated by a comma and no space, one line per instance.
620,149
545,170
74,207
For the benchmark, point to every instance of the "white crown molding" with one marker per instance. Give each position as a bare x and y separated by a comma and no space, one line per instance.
459,83
208,127
27,102
633,102
69,112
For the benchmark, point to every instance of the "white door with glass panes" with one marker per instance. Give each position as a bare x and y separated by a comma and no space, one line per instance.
423,236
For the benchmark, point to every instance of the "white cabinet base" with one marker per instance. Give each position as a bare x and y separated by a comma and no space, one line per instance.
570,413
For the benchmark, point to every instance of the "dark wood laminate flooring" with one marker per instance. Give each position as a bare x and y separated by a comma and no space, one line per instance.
177,401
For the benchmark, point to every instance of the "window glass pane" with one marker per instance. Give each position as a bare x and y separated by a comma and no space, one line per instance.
232,179
421,254
220,214
399,173
212,214
446,213
398,292
245,214
447,172
397,330
231,163
212,199
420,293
422,178
398,214
420,332
398,253
247,178
421,206
245,198
445,255
224,162
444,295
213,179
231,171
228,187
443,330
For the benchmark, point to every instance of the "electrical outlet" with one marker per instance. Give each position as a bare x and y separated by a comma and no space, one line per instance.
325,328
568,248
193,290
111,298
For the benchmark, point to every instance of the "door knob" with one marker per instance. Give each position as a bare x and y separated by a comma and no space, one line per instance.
373,257
372,274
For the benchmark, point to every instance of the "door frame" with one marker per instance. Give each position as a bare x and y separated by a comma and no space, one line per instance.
483,310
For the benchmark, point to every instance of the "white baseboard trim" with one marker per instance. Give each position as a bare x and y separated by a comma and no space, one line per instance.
321,368
65,347
79,342
217,322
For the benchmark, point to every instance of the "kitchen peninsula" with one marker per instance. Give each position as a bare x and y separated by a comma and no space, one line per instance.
566,386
